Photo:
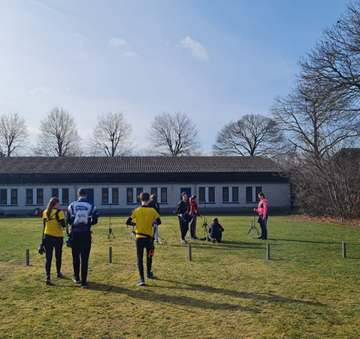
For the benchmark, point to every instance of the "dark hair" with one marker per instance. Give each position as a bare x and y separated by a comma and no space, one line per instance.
262,194
82,192
53,201
183,193
144,196
153,197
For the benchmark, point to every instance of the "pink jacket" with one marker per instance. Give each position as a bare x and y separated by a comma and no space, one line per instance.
262,208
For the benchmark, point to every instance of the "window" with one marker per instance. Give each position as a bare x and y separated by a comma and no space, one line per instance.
62,194
105,195
133,195
129,196
201,194
161,193
14,196
8,196
3,196
252,193
115,195
29,196
164,194
235,194
34,196
230,194
206,194
110,195
226,194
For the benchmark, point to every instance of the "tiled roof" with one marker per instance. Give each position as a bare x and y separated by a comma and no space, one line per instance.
107,165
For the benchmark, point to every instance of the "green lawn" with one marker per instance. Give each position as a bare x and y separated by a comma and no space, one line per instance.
228,290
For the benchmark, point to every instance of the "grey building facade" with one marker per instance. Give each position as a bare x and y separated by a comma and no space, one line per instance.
222,184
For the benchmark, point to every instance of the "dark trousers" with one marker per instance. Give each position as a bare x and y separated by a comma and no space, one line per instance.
184,227
141,244
81,246
51,242
193,226
218,238
263,225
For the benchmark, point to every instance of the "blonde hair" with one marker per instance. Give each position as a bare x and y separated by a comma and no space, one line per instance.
193,197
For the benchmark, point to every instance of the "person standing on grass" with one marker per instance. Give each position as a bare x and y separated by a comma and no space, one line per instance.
54,223
154,204
144,216
182,211
194,214
263,216
81,216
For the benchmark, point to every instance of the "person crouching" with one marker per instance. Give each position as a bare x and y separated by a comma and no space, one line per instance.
215,231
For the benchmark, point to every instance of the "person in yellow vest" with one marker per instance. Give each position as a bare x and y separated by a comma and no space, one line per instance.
54,223
144,216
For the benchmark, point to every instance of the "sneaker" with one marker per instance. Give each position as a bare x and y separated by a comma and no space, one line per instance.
157,242
60,275
48,281
76,280
84,285
141,282
213,240
150,275
195,238
183,241
261,237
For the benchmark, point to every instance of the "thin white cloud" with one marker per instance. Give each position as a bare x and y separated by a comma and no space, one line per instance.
40,89
80,36
132,55
115,42
196,48
53,9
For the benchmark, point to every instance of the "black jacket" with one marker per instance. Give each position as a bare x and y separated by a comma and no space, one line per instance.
215,230
154,204
182,207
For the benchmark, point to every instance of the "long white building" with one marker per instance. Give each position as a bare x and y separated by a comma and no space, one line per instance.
222,184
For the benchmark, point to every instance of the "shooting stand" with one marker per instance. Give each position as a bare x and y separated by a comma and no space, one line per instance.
253,228
110,231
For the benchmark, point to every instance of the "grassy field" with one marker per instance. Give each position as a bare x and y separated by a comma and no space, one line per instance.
228,290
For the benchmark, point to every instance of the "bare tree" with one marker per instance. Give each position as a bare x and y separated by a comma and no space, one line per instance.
112,135
174,135
334,62
316,121
58,135
251,135
13,133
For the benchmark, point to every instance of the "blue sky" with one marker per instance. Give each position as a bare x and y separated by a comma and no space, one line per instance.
214,60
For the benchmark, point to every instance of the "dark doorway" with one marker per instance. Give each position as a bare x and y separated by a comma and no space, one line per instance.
187,190
90,195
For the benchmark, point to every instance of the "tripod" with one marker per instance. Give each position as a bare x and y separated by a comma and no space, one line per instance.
158,240
110,231
253,228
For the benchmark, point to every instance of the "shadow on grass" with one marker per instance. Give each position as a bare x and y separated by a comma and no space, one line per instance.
145,293
308,241
236,294
223,244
